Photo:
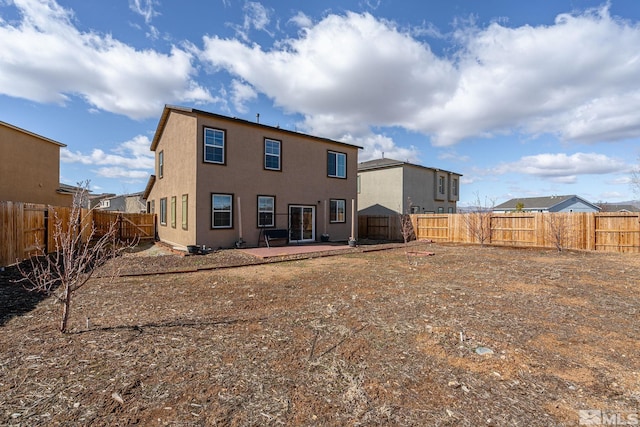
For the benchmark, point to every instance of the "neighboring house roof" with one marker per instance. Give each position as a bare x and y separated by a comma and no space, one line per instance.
68,189
149,187
391,163
168,108
32,134
115,196
540,203
613,207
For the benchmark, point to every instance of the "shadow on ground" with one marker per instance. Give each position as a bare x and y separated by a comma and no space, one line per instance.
15,300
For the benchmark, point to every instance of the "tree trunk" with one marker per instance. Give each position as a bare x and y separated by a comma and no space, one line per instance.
66,305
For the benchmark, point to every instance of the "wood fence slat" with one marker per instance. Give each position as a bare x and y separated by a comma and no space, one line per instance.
25,227
617,232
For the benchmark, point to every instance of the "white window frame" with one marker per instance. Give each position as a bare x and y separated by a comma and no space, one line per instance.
185,211
271,211
337,211
340,167
222,147
268,154
163,211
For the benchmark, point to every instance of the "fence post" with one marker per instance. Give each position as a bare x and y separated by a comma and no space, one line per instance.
591,232
46,230
120,226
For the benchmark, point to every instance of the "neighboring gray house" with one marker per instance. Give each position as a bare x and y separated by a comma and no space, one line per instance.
570,203
613,207
388,187
129,203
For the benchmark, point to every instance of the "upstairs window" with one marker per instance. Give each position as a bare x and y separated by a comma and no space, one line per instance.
272,154
441,185
221,211
336,164
337,208
214,146
454,186
266,211
160,164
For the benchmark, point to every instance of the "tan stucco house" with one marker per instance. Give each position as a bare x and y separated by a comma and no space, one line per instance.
30,170
390,187
220,181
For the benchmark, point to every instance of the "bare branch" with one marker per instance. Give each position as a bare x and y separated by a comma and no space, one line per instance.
478,220
78,252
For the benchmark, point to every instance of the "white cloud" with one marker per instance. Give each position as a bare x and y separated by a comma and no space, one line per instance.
576,78
145,8
240,94
563,168
119,172
301,20
132,159
378,76
46,59
256,16
378,146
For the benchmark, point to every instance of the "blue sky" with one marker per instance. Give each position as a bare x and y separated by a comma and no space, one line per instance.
524,99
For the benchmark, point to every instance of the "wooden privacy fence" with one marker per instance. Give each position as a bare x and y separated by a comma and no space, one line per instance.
612,232
26,226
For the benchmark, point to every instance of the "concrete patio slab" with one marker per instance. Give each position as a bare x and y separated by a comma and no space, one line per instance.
278,251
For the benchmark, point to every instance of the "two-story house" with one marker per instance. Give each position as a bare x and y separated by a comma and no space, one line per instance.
220,181
30,169
129,203
388,187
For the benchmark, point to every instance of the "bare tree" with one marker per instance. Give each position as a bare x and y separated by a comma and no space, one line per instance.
558,229
406,228
478,220
78,251
406,225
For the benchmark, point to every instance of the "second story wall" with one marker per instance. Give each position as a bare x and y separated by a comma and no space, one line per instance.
30,170
380,191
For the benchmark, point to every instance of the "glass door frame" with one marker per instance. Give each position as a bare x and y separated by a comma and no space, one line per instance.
300,227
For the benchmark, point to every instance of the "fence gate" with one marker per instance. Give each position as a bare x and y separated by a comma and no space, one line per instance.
34,229
129,225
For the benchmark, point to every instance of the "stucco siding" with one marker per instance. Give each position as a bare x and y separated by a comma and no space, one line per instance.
302,180
30,169
178,146
381,191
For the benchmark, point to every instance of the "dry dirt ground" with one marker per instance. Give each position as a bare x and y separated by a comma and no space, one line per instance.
375,338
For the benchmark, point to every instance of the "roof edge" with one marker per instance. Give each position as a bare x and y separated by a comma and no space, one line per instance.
168,108
44,138
392,163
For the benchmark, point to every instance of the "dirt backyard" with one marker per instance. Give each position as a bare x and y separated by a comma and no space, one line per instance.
468,336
